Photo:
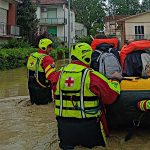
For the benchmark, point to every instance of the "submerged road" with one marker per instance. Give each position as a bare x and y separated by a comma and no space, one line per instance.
32,127
24,127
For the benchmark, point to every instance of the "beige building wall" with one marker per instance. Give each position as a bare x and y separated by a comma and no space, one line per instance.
110,29
141,20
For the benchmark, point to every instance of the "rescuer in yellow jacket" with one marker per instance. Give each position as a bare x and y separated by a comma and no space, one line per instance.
80,94
40,65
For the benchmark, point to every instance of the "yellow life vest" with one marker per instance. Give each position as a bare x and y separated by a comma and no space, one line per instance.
35,61
34,64
73,95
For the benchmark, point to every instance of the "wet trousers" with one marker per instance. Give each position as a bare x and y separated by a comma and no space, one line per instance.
84,132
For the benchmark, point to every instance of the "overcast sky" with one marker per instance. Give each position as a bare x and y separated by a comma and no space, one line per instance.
140,1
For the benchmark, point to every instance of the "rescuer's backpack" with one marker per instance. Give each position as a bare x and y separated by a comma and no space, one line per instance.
108,63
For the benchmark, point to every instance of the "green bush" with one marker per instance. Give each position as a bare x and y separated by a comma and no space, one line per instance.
56,42
85,39
14,58
53,54
62,51
15,43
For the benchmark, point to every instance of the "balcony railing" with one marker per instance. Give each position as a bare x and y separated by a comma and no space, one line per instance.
9,30
53,21
138,36
14,30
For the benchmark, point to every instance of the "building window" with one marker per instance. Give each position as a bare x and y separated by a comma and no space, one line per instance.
52,13
139,32
43,9
44,12
3,21
3,15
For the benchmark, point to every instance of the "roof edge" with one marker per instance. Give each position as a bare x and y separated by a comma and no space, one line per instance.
132,16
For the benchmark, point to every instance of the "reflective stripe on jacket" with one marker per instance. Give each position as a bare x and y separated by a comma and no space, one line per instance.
144,105
73,95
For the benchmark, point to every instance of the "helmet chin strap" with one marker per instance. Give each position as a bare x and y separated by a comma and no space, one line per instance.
45,51
43,48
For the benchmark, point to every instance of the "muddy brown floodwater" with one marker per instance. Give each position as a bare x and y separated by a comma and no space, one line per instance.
24,127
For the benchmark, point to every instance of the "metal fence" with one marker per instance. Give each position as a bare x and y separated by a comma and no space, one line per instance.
138,36
53,21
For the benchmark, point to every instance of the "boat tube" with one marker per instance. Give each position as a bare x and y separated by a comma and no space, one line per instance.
111,41
124,112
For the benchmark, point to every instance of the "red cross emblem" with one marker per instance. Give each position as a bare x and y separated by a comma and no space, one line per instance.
69,81
32,63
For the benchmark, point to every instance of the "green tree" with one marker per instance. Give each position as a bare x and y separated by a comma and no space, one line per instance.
123,7
89,12
27,20
95,28
145,5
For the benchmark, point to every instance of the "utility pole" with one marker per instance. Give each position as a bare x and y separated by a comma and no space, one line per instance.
69,44
109,12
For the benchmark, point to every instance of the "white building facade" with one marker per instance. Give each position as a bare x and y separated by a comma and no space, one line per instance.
53,18
80,30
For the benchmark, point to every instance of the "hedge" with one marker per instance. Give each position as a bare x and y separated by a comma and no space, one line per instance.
14,58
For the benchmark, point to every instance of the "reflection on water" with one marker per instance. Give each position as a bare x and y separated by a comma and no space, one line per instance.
14,82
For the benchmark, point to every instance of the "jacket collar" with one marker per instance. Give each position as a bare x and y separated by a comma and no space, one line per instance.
42,52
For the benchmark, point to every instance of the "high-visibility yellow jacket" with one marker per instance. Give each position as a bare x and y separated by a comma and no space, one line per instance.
73,95
35,61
